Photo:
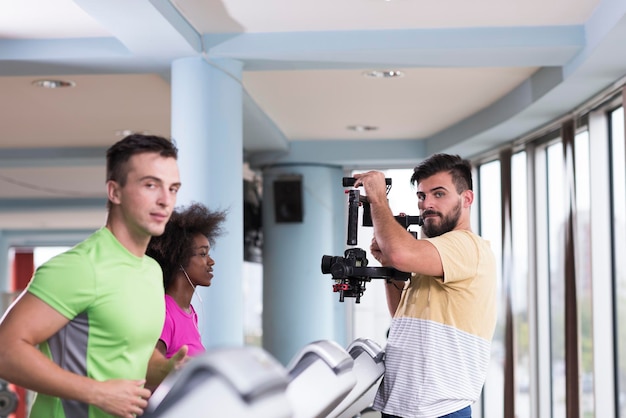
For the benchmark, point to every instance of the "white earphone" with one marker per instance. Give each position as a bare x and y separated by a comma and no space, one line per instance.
190,283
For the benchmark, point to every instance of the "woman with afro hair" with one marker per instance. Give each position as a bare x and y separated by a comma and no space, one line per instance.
183,251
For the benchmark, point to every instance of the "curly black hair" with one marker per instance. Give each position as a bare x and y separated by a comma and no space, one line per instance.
174,247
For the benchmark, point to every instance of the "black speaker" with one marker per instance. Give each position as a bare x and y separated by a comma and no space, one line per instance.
288,199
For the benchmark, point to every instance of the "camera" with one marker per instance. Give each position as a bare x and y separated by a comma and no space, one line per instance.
8,400
351,272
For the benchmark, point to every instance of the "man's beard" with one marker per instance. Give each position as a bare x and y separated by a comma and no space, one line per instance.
431,229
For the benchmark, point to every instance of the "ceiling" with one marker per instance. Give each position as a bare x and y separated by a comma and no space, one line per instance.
475,75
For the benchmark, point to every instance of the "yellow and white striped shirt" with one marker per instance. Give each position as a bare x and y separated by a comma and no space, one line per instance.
438,351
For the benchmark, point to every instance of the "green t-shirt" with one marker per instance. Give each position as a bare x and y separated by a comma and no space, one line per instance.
114,301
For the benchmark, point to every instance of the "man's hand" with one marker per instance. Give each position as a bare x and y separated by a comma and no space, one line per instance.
378,254
122,398
373,183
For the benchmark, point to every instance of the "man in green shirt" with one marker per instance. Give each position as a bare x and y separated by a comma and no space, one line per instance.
82,334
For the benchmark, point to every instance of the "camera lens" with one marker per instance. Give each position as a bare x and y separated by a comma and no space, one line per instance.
327,262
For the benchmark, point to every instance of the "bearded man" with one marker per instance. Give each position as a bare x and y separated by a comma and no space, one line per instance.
439,344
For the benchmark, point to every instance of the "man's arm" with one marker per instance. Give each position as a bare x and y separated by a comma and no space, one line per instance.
29,322
394,293
396,245
392,289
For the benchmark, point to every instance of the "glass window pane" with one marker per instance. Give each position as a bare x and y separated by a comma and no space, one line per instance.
43,254
519,285
619,249
489,198
583,274
556,238
371,318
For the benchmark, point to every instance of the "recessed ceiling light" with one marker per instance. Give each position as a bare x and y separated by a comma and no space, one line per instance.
362,128
53,84
383,74
126,132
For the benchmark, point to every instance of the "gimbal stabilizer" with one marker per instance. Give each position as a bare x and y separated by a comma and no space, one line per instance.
350,272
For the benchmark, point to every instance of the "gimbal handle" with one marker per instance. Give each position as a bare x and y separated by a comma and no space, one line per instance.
349,181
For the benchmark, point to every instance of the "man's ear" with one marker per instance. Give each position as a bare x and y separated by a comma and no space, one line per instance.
114,192
468,198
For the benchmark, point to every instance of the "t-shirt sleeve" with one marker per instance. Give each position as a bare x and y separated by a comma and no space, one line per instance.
459,255
66,283
168,328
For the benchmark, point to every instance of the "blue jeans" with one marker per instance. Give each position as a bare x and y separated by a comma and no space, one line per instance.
461,413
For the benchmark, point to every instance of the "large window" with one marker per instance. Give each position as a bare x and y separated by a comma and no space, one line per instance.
618,153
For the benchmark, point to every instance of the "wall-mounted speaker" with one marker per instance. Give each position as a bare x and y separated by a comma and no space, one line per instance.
288,199
252,222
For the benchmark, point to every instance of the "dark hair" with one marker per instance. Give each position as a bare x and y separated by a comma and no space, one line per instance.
174,247
460,169
120,152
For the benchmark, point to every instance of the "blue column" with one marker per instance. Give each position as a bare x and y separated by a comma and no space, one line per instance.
299,306
5,298
207,127
4,263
